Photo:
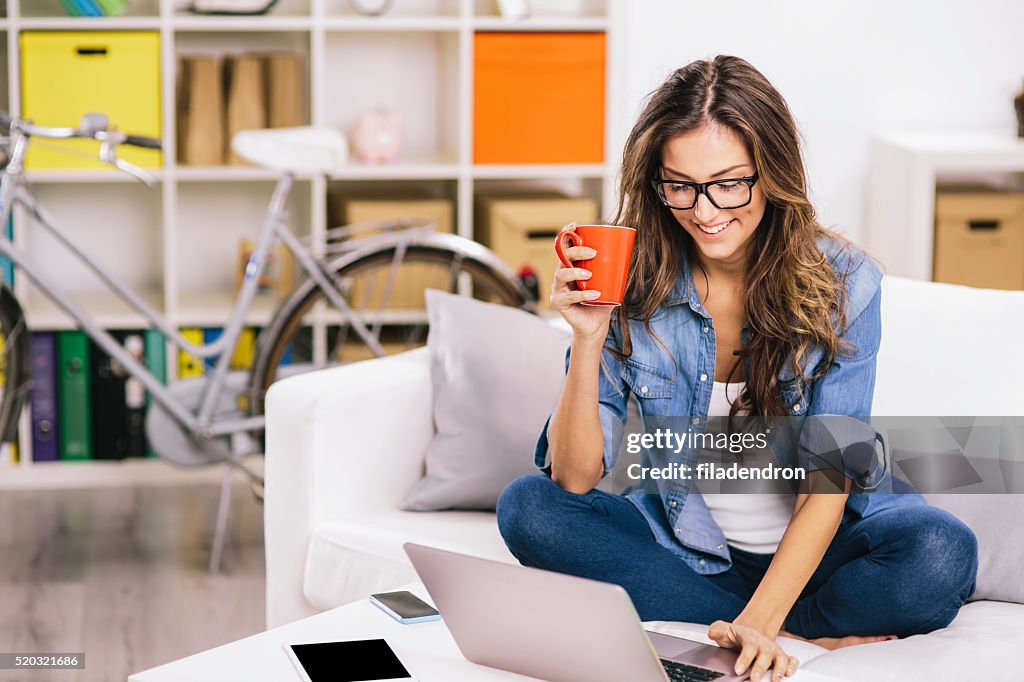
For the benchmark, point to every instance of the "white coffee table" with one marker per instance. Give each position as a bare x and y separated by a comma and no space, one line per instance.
427,648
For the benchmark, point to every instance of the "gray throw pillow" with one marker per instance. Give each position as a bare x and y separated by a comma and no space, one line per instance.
995,520
497,373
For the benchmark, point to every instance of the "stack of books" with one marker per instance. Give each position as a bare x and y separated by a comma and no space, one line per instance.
94,8
84,405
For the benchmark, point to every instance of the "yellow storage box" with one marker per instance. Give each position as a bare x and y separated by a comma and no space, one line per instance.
65,74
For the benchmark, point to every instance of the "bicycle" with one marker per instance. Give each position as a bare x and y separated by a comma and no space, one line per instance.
218,418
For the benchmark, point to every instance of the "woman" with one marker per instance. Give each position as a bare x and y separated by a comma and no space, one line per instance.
738,303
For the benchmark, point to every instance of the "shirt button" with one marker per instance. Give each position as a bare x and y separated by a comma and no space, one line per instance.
695,421
703,377
672,504
704,329
643,389
702,562
797,407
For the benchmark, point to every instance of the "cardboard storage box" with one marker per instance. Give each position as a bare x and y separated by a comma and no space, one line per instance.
522,230
538,97
979,239
65,74
411,279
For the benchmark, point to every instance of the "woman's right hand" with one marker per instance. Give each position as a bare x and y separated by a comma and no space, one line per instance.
758,651
588,322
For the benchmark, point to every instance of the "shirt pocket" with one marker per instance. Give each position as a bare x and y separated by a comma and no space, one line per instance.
653,387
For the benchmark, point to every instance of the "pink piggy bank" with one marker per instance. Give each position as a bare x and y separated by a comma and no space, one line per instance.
377,136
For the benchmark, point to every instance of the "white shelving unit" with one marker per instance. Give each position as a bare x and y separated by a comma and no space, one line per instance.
905,169
417,59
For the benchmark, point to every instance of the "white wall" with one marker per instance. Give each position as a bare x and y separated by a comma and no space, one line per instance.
846,68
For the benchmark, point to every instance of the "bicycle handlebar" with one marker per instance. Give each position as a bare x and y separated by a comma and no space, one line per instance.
97,130
143,141
93,126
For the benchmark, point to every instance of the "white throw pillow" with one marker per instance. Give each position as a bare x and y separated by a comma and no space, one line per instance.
497,373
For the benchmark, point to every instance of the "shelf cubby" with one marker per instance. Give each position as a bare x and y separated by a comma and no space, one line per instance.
119,228
283,9
567,10
412,74
53,9
404,9
207,259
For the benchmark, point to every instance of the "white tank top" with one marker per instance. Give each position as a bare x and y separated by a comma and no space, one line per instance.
752,522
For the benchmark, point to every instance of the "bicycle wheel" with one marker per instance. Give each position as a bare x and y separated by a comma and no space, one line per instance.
14,364
385,286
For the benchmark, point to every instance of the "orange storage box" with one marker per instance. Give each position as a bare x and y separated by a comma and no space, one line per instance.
538,97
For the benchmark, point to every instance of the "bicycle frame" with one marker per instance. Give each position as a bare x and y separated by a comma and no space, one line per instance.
14,190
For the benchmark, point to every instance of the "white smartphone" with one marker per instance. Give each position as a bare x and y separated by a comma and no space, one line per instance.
359,660
405,607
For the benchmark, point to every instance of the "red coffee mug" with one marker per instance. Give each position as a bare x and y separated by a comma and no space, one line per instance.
614,246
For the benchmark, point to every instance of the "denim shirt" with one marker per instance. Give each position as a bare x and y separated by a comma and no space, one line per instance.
680,520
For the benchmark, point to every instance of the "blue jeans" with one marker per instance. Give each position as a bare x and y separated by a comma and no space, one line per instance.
899,572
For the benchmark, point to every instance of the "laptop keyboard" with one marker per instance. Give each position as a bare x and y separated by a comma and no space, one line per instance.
680,672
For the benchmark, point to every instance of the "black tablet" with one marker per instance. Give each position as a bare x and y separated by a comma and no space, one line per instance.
361,660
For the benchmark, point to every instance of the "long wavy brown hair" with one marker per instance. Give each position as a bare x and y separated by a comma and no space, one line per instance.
794,299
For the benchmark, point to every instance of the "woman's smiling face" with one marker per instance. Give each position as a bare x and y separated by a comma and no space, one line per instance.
714,153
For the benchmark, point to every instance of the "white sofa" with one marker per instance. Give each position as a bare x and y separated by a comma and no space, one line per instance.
344,445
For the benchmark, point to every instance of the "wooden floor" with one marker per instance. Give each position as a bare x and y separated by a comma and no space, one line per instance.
121,574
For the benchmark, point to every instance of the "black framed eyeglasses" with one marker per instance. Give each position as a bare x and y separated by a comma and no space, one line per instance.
723,194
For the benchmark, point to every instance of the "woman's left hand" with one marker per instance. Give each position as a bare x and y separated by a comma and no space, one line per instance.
755,648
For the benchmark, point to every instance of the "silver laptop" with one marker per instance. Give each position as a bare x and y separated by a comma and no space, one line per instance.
556,627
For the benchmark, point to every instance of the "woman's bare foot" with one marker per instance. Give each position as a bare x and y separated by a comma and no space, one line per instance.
840,642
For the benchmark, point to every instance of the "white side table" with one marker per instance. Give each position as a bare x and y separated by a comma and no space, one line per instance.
902,172
427,648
